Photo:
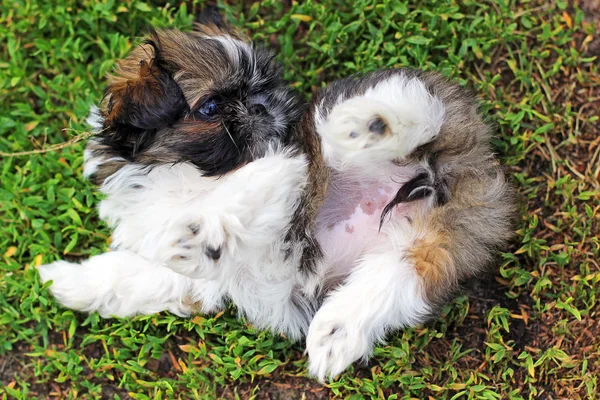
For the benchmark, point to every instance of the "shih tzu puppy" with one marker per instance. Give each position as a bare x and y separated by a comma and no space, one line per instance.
359,215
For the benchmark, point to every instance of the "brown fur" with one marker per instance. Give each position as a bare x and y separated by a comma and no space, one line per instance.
318,173
213,29
128,70
197,65
134,80
192,304
198,68
433,263
302,227
460,238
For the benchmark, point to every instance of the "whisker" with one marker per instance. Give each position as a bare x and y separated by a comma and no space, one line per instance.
231,137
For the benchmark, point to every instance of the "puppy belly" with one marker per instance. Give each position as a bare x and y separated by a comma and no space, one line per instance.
348,222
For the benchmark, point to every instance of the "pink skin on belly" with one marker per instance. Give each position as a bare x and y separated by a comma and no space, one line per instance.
371,205
348,222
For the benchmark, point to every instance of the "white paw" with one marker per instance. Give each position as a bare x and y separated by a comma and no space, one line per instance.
333,343
67,286
359,123
195,245
121,284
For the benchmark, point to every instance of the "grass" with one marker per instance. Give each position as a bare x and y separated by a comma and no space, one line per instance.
530,331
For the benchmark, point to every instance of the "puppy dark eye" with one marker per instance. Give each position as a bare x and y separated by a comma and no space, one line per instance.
208,109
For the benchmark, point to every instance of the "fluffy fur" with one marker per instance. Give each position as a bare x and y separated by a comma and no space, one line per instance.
363,218
415,205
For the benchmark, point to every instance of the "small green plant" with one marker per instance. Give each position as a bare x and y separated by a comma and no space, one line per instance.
530,331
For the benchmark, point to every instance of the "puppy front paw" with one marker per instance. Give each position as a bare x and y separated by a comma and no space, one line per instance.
333,343
194,245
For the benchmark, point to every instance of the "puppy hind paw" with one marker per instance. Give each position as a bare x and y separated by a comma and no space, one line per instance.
358,124
371,128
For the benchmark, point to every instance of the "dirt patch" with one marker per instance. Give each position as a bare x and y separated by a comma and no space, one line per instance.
279,387
591,8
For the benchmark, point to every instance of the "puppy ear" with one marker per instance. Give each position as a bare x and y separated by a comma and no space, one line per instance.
142,97
143,94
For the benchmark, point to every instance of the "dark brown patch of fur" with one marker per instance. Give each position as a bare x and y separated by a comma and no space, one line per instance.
133,77
302,227
107,168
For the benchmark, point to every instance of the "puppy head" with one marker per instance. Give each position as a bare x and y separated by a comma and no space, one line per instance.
207,97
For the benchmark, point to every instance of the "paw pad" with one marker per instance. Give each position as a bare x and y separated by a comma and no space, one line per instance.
378,126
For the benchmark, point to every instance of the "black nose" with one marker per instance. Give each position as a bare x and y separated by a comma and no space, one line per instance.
257,109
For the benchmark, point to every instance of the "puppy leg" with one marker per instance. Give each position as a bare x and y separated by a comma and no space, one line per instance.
124,284
383,292
417,270
386,122
394,285
248,213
